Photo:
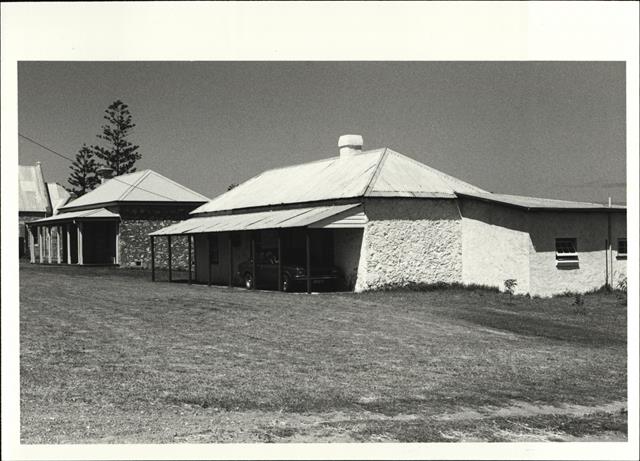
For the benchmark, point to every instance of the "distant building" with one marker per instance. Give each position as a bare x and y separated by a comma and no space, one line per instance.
36,199
387,220
109,225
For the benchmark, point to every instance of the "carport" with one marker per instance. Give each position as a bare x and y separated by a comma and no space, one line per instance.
301,230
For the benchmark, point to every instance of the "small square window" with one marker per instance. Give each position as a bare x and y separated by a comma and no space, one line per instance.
622,248
566,252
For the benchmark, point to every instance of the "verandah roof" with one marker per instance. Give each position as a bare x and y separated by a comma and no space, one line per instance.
277,219
98,213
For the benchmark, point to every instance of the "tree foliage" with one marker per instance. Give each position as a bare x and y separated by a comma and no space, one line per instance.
118,153
83,177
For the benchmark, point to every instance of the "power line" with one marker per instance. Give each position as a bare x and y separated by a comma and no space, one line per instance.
45,147
71,160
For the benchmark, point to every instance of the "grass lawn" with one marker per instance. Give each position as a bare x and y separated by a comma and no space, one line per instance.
107,356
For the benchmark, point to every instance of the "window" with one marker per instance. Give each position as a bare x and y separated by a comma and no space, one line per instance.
622,248
566,252
213,249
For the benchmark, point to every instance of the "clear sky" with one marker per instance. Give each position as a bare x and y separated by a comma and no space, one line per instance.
545,129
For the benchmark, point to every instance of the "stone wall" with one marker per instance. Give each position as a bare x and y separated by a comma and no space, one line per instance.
410,241
135,245
495,245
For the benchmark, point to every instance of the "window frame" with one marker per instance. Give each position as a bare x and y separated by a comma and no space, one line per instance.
566,258
619,254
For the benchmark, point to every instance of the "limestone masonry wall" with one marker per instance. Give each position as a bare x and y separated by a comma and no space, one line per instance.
135,245
409,241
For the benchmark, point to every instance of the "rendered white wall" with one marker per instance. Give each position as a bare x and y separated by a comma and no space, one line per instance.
591,232
495,245
409,241
618,230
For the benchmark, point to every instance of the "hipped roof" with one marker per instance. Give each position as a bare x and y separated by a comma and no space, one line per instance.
141,186
376,173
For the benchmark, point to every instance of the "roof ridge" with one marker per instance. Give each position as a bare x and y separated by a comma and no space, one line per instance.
376,174
131,186
335,157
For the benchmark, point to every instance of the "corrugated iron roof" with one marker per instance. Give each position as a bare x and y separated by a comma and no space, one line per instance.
541,203
32,190
376,173
278,219
96,213
58,195
141,186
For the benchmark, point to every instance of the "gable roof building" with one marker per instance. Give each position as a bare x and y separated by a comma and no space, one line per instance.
387,220
33,194
58,194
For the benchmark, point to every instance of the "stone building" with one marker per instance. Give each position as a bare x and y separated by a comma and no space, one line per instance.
386,220
109,225
36,199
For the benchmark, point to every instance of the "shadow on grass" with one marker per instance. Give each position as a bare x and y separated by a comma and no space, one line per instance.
540,327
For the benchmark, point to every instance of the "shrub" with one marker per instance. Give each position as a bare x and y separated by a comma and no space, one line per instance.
578,302
510,285
621,291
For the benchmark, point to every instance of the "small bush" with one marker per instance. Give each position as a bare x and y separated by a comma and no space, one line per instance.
578,303
622,285
510,285
621,291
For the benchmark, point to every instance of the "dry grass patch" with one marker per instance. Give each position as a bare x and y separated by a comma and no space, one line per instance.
106,355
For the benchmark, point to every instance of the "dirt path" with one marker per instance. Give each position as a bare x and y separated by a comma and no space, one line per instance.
519,408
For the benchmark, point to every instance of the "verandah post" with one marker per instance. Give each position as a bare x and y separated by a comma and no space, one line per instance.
279,260
117,256
80,254
230,249
40,244
169,256
49,245
68,229
59,244
32,250
153,260
189,255
253,260
308,241
209,259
